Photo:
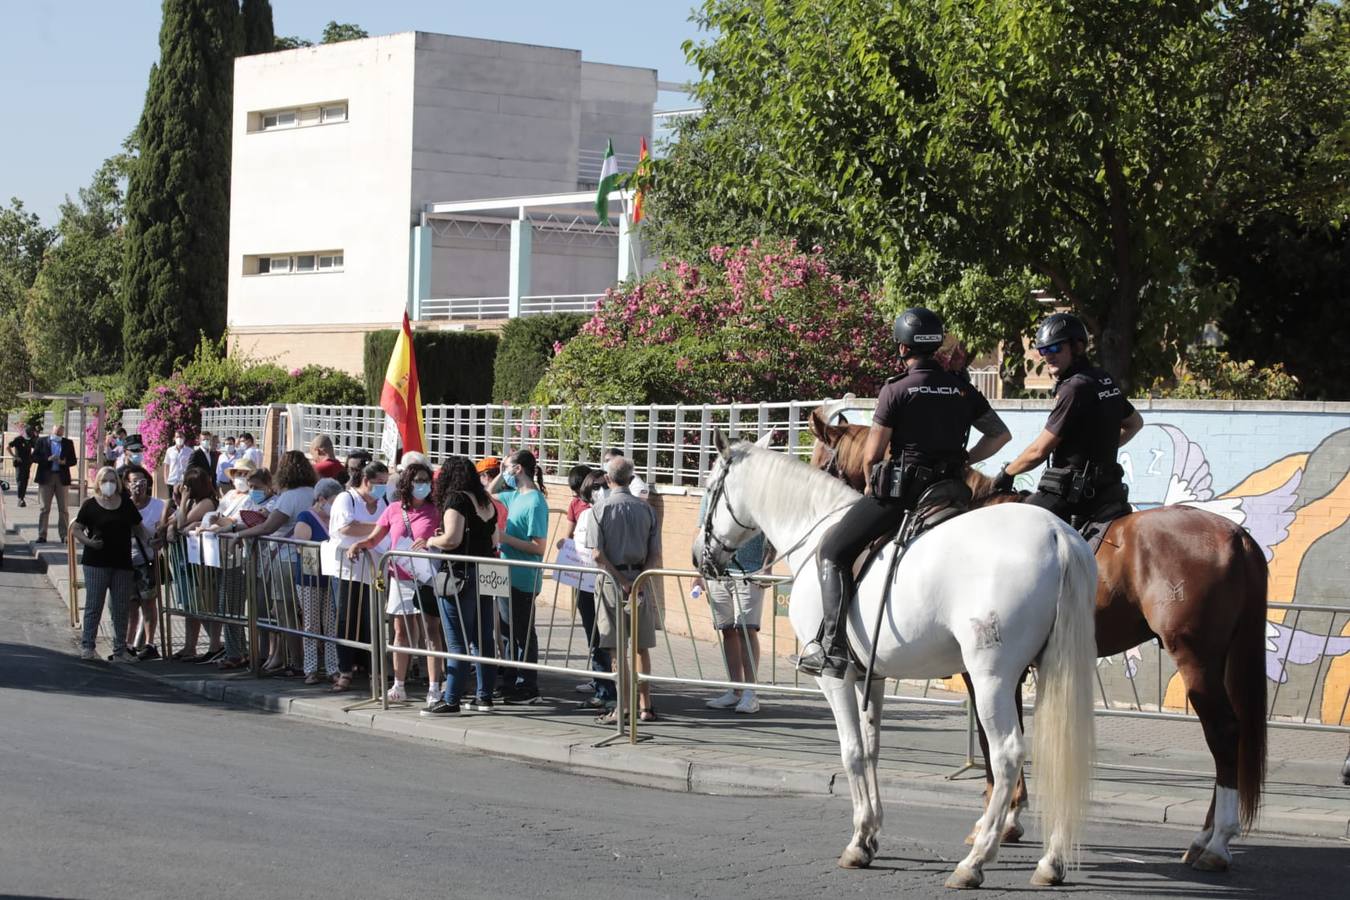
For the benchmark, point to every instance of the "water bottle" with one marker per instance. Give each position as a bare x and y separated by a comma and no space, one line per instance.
696,592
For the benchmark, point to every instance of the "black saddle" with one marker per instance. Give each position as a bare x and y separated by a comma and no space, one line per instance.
1093,527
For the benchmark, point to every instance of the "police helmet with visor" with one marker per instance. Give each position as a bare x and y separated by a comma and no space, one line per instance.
919,329
1059,328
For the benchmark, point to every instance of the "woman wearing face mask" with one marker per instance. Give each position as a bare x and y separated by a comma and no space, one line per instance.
317,610
193,500
353,518
106,523
409,523
525,538
143,617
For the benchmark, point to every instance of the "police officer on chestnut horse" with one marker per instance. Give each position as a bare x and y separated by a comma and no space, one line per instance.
1090,421
924,416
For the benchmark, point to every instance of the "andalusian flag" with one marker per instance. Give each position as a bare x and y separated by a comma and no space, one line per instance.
609,181
401,398
643,165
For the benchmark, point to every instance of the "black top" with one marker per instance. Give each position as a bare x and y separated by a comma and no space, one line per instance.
21,448
477,537
114,527
1089,407
929,411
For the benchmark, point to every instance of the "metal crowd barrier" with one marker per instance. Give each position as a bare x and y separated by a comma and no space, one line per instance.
209,577
317,600
494,581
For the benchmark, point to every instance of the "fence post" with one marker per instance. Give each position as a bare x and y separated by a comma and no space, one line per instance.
251,569
272,438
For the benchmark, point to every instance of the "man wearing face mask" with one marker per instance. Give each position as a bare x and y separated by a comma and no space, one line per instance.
176,459
135,453
228,454
54,456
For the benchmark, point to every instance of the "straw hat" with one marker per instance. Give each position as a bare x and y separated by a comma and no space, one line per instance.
242,466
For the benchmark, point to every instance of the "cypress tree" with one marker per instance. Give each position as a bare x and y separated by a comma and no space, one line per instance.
258,37
178,198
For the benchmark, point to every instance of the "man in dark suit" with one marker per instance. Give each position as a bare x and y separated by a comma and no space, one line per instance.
21,450
53,456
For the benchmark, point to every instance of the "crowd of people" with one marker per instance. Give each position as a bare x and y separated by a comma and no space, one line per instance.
354,510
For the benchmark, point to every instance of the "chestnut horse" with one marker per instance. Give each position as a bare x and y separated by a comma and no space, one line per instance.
1193,580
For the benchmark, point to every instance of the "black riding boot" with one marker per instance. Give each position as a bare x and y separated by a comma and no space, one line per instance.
828,653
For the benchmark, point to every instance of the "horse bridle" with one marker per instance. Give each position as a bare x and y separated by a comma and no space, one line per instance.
711,542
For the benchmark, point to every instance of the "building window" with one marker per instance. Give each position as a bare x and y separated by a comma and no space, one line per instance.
294,263
298,117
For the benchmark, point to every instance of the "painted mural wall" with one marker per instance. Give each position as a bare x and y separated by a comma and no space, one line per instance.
1282,471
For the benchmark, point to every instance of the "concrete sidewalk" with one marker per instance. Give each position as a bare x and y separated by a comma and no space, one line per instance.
1149,770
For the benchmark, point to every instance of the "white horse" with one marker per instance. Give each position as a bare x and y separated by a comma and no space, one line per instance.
989,593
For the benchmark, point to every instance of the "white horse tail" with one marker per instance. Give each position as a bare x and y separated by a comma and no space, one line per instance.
1064,735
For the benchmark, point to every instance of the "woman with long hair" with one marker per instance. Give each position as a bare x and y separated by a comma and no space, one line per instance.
468,528
525,538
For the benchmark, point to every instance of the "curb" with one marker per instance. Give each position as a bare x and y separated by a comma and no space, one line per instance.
641,765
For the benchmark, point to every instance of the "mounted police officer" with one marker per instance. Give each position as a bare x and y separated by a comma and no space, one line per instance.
924,417
1090,421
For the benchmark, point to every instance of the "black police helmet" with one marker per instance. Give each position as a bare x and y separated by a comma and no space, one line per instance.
919,329
1059,327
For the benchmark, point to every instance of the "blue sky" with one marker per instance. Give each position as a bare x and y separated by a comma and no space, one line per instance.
73,72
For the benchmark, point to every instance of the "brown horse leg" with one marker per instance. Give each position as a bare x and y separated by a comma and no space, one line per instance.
1012,830
1203,676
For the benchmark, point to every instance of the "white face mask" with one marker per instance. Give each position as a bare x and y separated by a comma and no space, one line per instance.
241,485
108,488
178,442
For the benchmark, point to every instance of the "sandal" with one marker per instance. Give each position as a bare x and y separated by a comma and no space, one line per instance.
229,663
647,715
609,718
315,678
342,683
210,656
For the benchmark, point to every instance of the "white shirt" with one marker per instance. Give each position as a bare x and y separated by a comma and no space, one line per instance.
223,466
347,508
637,487
176,463
254,454
151,513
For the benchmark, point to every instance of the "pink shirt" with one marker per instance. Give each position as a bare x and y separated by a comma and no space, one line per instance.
424,520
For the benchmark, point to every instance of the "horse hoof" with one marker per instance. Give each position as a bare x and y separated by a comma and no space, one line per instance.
1209,861
854,858
964,880
1047,874
1192,854
1013,834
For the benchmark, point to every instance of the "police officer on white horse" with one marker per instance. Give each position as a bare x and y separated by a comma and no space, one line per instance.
1090,421
924,416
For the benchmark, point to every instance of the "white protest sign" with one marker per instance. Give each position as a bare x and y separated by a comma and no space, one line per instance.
572,555
494,580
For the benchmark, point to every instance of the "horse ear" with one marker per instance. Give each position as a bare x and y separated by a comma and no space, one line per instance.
767,440
818,425
722,443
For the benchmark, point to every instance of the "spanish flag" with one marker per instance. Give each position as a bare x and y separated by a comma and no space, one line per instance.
641,173
401,398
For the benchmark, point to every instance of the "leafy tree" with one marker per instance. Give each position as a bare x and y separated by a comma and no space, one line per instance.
528,345
23,240
290,42
15,371
177,233
1075,141
337,32
255,27
73,318
1210,374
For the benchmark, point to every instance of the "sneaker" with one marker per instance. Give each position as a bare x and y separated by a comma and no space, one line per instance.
123,656
481,704
21,502
89,654
522,696
586,687
433,697
749,704
149,651
440,708
725,701
397,694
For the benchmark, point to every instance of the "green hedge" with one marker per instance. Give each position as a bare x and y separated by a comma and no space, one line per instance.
454,366
527,350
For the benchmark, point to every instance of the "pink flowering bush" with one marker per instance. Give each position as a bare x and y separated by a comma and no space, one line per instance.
767,322
169,407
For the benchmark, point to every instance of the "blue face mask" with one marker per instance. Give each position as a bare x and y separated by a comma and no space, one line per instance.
421,491
510,479
257,496
377,491
136,458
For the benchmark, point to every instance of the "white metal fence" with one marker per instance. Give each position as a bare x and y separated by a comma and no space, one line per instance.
469,308
232,421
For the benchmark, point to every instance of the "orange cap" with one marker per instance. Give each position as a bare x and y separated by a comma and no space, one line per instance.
487,464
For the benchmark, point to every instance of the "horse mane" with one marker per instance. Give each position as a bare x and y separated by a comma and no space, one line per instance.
817,490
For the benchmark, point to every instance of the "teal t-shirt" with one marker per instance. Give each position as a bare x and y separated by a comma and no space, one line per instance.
526,519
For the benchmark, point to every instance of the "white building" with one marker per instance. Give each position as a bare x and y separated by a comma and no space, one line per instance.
359,176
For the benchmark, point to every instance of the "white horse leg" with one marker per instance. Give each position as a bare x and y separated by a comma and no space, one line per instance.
1217,856
844,705
994,700
870,724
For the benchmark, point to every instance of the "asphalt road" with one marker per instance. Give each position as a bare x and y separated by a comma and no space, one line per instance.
111,785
